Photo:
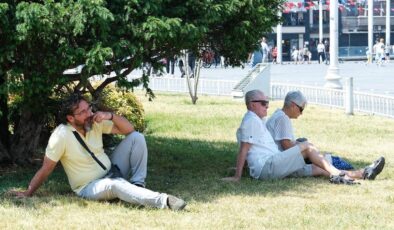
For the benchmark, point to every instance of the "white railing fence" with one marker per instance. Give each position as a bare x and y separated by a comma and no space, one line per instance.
374,103
205,86
362,102
314,95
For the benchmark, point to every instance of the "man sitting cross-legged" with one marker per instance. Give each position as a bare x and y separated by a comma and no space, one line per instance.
281,129
264,159
87,173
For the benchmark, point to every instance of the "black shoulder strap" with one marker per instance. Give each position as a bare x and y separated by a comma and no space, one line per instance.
76,134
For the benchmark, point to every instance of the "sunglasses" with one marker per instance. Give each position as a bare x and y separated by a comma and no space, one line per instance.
299,107
262,102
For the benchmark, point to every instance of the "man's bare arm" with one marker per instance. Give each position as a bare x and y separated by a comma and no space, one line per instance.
41,175
121,124
241,158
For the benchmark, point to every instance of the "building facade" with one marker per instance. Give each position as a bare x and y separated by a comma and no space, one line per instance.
301,26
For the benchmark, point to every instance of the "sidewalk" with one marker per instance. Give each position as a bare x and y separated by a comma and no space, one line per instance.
367,78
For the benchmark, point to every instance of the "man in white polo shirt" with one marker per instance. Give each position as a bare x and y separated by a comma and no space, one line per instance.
281,129
264,159
87,173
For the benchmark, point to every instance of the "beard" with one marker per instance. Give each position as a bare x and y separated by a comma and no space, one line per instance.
85,124
88,124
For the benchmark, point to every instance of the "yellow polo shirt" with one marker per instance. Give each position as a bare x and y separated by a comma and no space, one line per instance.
78,164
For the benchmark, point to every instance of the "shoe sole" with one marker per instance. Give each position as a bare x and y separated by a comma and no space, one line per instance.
175,203
377,168
182,206
178,207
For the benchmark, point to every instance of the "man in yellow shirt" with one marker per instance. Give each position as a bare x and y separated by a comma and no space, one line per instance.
87,173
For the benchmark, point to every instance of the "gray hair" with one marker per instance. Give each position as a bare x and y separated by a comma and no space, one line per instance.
296,97
252,95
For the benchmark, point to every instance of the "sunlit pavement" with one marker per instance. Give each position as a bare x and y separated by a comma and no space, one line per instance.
368,78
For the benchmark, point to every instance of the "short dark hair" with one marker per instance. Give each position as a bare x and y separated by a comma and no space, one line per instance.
68,106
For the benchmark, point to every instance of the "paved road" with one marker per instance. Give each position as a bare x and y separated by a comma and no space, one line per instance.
367,78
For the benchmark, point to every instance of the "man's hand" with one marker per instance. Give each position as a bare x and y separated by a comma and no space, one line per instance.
100,116
231,179
304,145
18,194
41,175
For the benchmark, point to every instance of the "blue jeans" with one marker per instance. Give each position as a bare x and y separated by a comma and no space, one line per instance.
131,156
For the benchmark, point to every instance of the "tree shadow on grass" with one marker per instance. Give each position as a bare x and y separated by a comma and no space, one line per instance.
55,192
191,169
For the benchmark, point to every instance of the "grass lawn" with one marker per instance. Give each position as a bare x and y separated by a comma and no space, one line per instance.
190,149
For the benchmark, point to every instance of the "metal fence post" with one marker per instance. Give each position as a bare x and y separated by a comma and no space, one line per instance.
349,103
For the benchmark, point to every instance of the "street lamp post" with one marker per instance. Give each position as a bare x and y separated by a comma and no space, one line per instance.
370,27
279,40
388,23
332,76
321,21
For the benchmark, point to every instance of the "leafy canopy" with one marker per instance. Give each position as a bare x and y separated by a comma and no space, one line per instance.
41,39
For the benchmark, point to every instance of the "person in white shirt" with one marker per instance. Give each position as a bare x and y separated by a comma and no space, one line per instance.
295,55
320,52
265,160
281,129
265,50
379,51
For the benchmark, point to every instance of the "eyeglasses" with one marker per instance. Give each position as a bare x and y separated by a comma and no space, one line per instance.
299,107
262,102
88,110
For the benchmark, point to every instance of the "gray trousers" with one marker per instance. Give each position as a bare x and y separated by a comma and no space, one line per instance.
131,156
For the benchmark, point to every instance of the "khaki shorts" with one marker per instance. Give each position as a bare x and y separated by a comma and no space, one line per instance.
286,163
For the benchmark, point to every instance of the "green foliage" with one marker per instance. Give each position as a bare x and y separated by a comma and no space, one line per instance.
14,105
39,40
126,104
44,38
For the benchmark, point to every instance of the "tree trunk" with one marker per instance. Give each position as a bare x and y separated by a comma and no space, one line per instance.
26,138
4,156
4,132
192,85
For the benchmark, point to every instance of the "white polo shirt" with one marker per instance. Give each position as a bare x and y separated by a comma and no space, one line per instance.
254,131
78,164
280,127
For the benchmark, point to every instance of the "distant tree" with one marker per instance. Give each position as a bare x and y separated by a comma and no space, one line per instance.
40,39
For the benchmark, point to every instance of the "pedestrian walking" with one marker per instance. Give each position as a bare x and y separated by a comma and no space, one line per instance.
295,55
327,51
320,52
264,49
274,55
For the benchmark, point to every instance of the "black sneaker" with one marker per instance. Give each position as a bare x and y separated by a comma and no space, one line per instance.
175,203
374,169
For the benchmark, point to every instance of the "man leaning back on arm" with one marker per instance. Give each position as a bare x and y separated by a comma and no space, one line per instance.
87,173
